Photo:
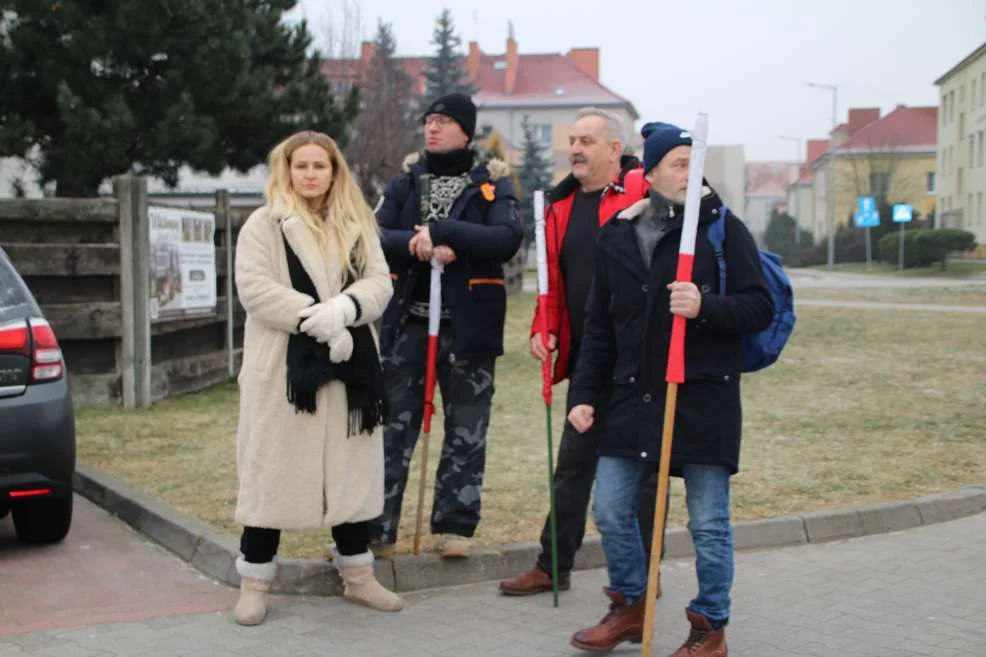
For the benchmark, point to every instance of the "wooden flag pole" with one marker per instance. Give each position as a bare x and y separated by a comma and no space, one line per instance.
676,370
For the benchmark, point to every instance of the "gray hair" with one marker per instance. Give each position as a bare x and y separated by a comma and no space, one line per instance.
614,127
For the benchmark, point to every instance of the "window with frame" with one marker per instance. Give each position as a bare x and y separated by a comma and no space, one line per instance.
972,151
541,132
930,182
981,161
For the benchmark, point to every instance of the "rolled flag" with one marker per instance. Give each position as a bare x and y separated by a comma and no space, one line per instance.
542,258
434,321
686,251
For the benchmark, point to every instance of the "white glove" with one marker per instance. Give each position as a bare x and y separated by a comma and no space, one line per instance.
323,321
341,347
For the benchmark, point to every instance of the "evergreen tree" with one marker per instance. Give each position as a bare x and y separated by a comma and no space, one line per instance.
445,73
97,89
535,173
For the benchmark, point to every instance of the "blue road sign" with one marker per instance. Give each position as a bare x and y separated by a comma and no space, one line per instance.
903,213
866,216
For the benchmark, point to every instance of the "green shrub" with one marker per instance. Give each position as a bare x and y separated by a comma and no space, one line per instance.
923,248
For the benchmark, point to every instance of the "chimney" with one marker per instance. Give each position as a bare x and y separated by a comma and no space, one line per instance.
860,117
512,65
586,60
367,50
472,63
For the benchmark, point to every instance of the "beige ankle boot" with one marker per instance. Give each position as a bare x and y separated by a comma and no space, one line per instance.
255,579
361,587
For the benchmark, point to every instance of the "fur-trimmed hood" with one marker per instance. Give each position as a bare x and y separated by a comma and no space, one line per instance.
710,202
496,167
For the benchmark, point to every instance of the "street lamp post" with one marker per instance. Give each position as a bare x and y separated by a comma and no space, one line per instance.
797,190
830,178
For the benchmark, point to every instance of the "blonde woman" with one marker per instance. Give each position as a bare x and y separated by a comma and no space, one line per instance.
311,274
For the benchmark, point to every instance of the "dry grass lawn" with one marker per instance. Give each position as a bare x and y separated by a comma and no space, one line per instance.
865,406
965,295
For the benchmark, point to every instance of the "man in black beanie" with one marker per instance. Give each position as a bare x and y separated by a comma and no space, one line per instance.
465,217
629,318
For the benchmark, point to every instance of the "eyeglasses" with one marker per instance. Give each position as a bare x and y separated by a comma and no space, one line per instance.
438,119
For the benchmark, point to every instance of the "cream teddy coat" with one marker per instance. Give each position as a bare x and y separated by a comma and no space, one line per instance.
296,470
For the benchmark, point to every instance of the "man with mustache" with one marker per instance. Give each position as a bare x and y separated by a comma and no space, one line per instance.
602,182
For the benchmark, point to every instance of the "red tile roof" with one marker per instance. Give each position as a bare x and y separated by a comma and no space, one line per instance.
542,79
770,179
816,148
903,129
547,80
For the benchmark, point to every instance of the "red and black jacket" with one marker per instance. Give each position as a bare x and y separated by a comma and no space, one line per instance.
622,192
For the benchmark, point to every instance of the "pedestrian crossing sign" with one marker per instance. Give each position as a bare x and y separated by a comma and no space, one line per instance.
902,213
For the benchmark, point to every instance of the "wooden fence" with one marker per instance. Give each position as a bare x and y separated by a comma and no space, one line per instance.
87,263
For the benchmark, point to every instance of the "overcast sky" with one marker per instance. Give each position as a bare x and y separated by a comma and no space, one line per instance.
744,62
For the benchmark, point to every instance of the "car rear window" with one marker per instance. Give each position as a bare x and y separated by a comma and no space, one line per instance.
14,302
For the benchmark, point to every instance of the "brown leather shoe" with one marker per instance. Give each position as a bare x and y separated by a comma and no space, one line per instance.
702,641
533,581
622,623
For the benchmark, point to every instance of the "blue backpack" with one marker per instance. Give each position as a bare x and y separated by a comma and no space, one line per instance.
760,349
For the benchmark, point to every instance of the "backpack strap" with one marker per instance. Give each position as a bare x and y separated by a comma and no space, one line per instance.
717,236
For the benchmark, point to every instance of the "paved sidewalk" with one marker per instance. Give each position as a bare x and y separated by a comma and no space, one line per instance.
914,593
102,572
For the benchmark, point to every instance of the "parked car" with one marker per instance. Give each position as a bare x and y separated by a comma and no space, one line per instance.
37,425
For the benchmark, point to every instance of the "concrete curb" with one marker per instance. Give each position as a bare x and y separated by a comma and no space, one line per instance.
214,552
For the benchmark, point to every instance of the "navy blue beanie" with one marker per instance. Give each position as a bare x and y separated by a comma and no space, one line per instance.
659,138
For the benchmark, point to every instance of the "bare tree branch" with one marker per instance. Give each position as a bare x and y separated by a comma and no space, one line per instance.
384,133
343,31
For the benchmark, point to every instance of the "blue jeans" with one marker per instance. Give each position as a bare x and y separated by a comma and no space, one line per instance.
618,485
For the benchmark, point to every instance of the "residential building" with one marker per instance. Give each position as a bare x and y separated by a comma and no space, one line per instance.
961,183
891,157
766,190
547,88
801,194
725,169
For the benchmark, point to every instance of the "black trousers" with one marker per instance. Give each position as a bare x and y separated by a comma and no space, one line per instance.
575,473
259,544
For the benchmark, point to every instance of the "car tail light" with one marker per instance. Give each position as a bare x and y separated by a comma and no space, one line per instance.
48,364
34,492
14,338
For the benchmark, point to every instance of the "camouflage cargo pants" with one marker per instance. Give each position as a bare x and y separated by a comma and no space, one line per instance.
467,392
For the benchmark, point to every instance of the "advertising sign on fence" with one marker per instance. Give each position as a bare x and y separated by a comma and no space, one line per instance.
183,263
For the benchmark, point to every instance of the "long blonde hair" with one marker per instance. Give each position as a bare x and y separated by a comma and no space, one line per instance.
344,214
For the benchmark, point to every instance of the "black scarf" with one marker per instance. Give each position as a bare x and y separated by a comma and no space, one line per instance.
309,367
452,163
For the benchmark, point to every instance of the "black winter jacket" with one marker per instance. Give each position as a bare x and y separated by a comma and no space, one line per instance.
628,330
483,233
